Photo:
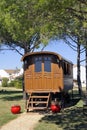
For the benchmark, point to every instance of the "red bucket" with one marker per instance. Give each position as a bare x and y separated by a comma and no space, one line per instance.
55,108
15,109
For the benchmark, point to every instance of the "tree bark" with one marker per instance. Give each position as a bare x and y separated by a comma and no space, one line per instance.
86,74
78,70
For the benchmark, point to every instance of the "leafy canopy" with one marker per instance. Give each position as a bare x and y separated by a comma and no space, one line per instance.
20,23
27,24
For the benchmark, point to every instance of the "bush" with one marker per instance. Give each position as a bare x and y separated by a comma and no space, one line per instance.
5,82
17,83
11,84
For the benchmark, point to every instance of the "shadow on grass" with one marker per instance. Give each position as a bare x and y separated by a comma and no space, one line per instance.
11,95
12,98
9,91
70,119
72,102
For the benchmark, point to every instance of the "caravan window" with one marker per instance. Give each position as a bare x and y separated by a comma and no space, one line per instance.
67,68
38,64
47,64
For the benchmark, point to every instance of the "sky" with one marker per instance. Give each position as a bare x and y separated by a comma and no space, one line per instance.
12,60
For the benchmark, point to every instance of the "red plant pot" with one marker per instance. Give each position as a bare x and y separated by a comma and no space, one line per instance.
55,108
15,109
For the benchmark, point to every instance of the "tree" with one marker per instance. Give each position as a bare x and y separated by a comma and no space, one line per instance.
81,15
20,24
27,24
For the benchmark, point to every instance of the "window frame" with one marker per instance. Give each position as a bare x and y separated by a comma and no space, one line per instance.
48,60
44,63
38,62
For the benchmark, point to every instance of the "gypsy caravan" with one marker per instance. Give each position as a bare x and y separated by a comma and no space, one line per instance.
45,73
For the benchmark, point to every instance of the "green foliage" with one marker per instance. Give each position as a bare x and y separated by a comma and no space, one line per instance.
17,83
21,21
11,83
5,82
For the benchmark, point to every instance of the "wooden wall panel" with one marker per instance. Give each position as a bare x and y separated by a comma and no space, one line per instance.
44,81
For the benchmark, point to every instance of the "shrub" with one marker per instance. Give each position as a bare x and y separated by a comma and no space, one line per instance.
5,82
11,83
18,82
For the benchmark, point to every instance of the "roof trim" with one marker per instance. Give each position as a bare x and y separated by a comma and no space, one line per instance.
45,52
39,53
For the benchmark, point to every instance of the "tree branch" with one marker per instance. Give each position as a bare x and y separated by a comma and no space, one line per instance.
77,13
73,40
12,49
70,45
82,1
83,60
82,50
17,51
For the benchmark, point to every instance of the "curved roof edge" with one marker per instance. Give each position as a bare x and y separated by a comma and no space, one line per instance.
41,52
44,52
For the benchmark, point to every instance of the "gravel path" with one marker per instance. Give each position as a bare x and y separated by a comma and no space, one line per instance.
25,121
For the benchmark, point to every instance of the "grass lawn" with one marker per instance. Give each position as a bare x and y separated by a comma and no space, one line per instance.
9,97
72,118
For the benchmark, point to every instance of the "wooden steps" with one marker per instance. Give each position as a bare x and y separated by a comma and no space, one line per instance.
38,100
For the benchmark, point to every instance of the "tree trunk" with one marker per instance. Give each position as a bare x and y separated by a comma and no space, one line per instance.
86,74
78,70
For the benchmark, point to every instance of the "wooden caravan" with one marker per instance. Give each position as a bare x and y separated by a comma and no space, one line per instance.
45,73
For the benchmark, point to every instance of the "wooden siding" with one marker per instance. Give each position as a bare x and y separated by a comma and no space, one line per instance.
52,81
46,81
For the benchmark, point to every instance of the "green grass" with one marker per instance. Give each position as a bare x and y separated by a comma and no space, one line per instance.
72,118
9,97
